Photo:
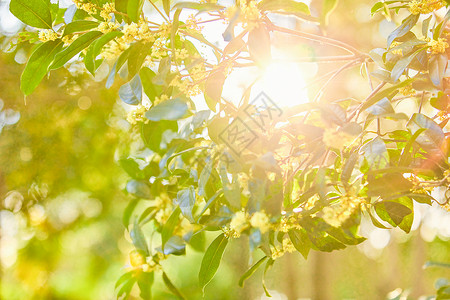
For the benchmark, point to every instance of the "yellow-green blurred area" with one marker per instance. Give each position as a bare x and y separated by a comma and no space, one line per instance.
62,200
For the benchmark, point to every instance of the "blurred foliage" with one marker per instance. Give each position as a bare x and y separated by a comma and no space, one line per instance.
308,178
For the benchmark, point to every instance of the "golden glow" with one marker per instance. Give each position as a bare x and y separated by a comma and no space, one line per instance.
284,83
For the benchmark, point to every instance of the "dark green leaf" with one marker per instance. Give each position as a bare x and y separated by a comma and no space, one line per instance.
138,53
251,271
95,48
300,240
37,65
171,286
211,260
79,44
35,13
170,225
78,26
134,9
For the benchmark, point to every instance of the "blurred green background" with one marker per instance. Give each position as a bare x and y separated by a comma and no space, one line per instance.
62,199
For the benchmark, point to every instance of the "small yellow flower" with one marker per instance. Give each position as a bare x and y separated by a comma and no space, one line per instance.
137,258
407,90
47,35
239,222
425,6
260,220
438,46
106,27
137,115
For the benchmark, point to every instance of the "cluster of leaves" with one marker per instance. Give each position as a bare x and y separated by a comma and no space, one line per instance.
313,172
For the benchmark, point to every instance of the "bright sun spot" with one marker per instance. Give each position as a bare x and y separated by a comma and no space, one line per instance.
284,83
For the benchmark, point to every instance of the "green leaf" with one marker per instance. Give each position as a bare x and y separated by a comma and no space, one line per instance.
150,89
117,66
95,48
259,45
300,240
201,7
128,211
382,107
251,271
139,189
152,133
385,93
402,64
79,44
78,26
138,53
171,286
375,152
145,281
213,89
289,6
131,92
166,6
37,65
138,238
437,65
327,8
268,266
173,109
186,201
433,135
211,260
169,227
403,29
35,13
394,210
134,9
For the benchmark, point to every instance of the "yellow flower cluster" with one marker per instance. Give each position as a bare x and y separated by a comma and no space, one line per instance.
261,221
192,23
87,7
425,6
107,9
239,223
396,51
139,261
337,139
337,215
112,49
47,35
287,246
407,90
311,202
249,14
106,27
136,32
287,224
137,115
68,39
438,46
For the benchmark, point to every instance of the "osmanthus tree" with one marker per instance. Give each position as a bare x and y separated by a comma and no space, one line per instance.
290,180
